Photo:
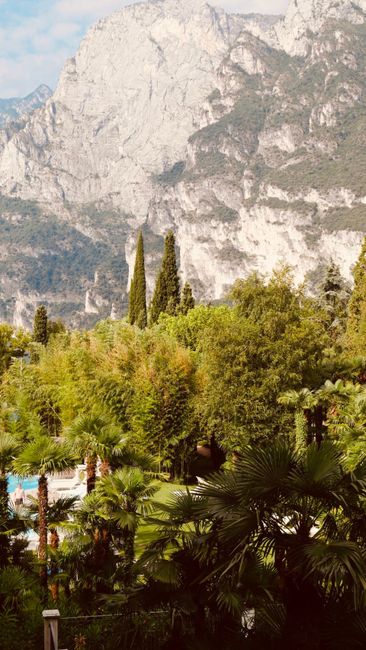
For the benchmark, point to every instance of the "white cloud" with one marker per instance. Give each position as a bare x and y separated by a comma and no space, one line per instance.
21,76
88,8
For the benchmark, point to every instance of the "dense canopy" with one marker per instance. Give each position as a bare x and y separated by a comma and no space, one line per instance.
218,471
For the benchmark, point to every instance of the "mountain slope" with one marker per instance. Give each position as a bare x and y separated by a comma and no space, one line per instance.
243,133
16,107
278,172
124,106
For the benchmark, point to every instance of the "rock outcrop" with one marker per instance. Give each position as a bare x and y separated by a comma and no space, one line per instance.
245,134
16,108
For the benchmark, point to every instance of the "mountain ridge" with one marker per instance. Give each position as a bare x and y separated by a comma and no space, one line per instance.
15,108
239,132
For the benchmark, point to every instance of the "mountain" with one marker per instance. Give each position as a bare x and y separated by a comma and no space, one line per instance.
245,134
14,108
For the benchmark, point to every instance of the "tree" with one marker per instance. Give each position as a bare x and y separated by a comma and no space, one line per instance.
167,293
13,344
9,446
41,457
160,409
92,436
55,327
131,304
180,562
125,497
305,403
187,301
303,514
271,342
356,323
57,514
40,331
137,307
334,294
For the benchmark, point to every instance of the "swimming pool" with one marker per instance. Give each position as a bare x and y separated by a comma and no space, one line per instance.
27,483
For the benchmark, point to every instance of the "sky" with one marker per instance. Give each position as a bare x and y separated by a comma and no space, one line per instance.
37,36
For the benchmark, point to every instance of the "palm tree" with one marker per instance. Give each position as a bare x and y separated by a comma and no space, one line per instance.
306,404
40,457
9,446
125,496
86,556
92,436
182,566
303,401
304,514
58,514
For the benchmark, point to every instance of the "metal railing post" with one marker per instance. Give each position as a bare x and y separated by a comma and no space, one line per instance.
50,624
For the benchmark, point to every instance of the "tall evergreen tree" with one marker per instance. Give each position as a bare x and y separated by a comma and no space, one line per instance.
40,330
356,323
131,305
167,292
187,302
334,295
137,307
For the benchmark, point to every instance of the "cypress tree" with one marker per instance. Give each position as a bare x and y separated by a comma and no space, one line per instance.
167,293
334,296
187,301
159,301
40,330
171,271
356,323
137,307
131,305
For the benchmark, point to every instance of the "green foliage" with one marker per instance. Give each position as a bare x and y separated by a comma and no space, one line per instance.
272,342
40,332
160,411
13,344
356,324
43,456
167,293
137,307
271,504
281,530
187,300
334,295
173,175
189,329
55,327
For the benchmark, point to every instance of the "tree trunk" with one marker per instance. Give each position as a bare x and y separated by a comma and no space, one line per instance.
91,473
310,428
105,467
218,456
42,548
4,515
129,549
54,543
304,615
101,549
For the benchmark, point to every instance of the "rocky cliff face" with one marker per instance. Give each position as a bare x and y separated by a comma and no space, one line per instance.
243,133
277,174
124,107
16,108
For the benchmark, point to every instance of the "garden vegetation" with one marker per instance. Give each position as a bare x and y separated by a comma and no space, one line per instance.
224,459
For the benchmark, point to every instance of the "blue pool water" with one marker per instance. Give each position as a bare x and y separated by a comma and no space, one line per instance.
27,483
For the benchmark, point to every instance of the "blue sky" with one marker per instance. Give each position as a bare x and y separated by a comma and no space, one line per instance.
37,36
